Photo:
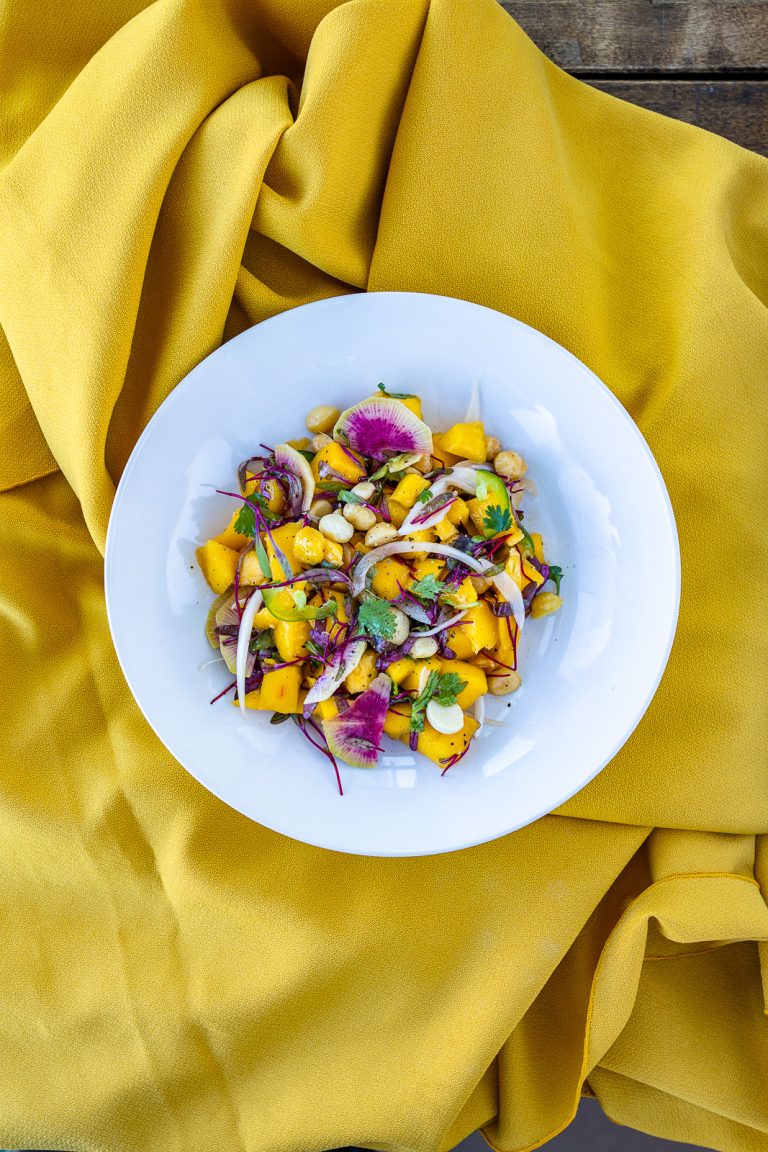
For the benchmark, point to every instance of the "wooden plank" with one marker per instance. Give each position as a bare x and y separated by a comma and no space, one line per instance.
621,36
736,109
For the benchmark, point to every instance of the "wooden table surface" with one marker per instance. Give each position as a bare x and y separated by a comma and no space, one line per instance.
703,61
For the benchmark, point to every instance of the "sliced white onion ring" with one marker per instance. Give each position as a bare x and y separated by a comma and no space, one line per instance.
243,640
335,674
441,627
460,477
503,582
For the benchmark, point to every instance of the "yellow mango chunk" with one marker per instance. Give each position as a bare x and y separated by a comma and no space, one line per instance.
250,570
430,566
538,546
474,677
291,638
274,495
458,513
445,531
464,594
336,459
309,546
218,564
412,680
326,709
399,669
397,511
478,629
439,747
411,402
280,690
440,453
386,576
231,539
284,537
466,441
513,568
301,444
397,723
409,488
363,676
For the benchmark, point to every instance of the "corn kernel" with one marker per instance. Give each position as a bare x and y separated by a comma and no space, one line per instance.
545,604
309,546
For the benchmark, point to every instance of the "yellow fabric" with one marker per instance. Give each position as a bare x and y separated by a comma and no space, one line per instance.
174,977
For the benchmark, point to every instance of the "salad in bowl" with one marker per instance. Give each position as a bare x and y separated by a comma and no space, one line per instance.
375,578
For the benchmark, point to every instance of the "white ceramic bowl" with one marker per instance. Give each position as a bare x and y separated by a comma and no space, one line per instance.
589,672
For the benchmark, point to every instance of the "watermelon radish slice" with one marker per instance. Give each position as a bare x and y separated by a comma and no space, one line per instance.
379,425
291,461
355,735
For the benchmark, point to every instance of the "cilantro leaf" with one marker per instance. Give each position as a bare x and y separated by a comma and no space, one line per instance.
428,588
424,496
449,686
497,519
377,618
395,395
556,575
444,687
528,545
245,524
261,641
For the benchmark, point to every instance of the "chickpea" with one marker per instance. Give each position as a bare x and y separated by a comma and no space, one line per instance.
361,517
480,584
402,628
364,489
322,418
544,604
510,464
335,527
320,441
423,649
503,685
492,447
320,508
484,662
380,534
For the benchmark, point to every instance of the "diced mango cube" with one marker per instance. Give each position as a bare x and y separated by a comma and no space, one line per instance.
440,453
274,493
388,572
218,564
231,539
446,531
291,638
439,747
409,488
474,678
464,594
458,513
250,570
538,546
333,466
280,689
284,538
477,630
399,669
326,709
397,722
466,441
363,676
430,566
397,511
413,680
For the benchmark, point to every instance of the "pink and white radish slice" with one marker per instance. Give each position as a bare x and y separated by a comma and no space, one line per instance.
333,676
289,458
379,425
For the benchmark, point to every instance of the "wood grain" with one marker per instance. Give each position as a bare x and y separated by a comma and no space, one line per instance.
736,109
627,36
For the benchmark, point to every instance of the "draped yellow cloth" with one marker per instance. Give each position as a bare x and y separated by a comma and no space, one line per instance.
173,977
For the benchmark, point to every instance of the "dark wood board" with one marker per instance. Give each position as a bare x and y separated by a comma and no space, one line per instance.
737,109
629,36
